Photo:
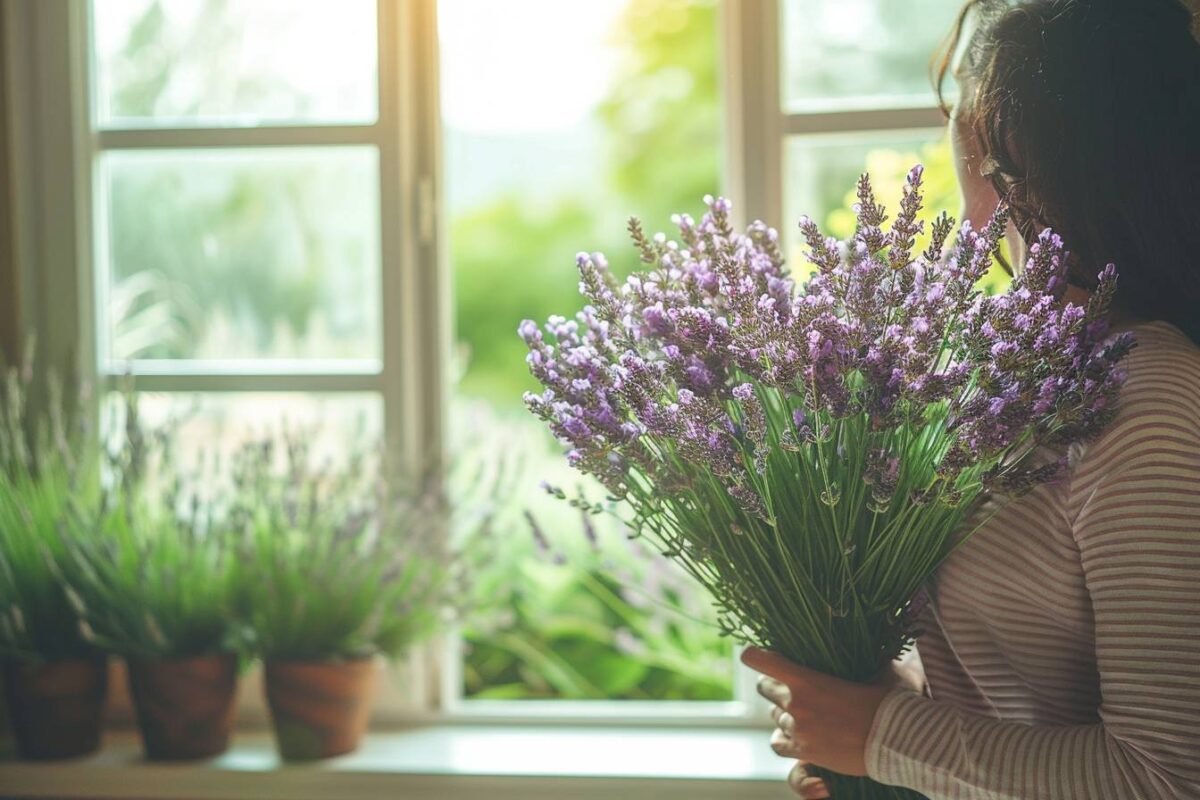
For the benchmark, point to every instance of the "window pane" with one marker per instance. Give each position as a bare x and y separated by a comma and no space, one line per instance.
822,173
242,62
561,120
860,52
215,424
246,254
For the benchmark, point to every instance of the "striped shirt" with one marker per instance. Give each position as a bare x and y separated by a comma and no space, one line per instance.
1062,644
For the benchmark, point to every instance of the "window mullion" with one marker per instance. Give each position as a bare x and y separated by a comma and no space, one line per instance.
417,323
861,120
753,119
395,231
754,136
236,137
221,383
248,368
413,311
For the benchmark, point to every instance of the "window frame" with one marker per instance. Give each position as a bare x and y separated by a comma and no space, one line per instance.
55,149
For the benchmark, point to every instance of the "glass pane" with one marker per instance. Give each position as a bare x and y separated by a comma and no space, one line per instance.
246,254
822,172
213,425
860,52
242,62
541,163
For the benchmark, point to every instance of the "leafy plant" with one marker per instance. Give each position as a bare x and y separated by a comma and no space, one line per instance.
570,616
46,466
339,563
575,632
156,568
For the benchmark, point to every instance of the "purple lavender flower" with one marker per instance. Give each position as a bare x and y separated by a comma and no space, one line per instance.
769,433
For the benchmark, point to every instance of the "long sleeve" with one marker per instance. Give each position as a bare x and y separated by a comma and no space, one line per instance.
1138,534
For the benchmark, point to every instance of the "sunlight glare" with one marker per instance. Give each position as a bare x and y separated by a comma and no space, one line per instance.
525,65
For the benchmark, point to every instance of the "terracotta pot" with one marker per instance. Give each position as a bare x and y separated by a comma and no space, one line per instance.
184,706
320,709
56,709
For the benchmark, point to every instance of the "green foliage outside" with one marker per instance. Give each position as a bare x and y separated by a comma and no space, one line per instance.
218,254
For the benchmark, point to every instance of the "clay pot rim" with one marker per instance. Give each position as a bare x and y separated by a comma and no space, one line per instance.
14,661
323,662
144,660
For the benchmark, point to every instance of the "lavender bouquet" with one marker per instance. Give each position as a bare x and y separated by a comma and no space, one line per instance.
811,452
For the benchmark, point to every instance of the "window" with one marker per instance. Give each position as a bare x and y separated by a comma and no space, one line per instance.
272,212
258,240
559,121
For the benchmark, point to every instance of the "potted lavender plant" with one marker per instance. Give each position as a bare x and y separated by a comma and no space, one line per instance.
55,680
811,453
157,576
346,568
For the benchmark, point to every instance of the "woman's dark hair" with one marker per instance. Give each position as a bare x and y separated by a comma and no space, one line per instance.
1087,113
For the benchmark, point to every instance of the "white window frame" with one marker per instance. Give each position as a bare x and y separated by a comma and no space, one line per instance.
55,149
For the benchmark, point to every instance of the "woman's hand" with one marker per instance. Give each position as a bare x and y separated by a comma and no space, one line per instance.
821,720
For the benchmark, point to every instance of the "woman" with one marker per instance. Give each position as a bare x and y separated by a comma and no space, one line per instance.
1062,653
